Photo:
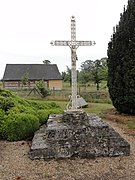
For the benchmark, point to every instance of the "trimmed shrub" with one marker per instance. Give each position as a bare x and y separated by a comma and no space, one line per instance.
6,103
20,127
55,111
43,116
43,105
6,93
2,119
20,118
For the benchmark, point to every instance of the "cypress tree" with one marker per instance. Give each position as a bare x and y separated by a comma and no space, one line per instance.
121,62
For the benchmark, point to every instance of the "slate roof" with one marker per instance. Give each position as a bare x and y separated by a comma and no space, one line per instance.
34,71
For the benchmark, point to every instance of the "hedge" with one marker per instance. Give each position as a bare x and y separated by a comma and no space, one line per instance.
20,118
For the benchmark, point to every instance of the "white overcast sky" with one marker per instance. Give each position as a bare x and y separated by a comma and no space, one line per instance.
28,26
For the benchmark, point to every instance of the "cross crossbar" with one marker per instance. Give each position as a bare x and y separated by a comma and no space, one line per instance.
70,43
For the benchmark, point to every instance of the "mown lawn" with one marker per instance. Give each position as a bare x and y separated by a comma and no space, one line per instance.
96,108
101,108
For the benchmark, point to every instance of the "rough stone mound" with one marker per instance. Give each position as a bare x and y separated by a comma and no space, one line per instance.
77,134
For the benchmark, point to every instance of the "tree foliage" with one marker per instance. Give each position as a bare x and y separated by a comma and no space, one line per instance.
66,76
121,62
90,71
25,79
41,87
95,71
46,61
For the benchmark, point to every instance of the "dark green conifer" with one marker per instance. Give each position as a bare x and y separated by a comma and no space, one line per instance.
121,62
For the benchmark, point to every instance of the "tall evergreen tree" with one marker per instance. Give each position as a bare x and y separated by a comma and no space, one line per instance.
121,62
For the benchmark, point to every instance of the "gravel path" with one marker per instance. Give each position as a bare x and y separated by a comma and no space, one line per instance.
15,164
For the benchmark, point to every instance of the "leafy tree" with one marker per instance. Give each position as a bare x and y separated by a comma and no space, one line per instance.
88,65
121,62
25,79
84,77
63,74
104,68
47,61
93,71
96,73
67,75
41,87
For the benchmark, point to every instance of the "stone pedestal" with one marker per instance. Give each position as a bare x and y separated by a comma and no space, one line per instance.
77,134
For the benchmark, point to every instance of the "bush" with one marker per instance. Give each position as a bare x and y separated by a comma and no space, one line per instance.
20,126
55,111
6,103
44,105
43,116
6,93
2,119
20,118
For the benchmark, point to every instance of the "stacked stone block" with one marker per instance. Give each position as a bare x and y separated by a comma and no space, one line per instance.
77,134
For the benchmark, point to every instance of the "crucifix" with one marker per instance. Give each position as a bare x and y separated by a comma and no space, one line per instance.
73,44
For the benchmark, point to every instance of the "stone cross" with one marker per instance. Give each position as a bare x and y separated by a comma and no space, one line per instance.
73,44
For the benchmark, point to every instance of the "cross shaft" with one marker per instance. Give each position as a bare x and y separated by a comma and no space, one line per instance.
73,44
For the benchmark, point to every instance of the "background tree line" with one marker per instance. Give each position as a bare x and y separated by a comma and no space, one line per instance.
91,71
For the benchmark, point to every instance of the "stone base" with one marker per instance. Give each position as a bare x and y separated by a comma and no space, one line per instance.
77,134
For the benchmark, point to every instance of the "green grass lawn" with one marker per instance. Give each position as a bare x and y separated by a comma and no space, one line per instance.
91,94
100,108
90,87
96,108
